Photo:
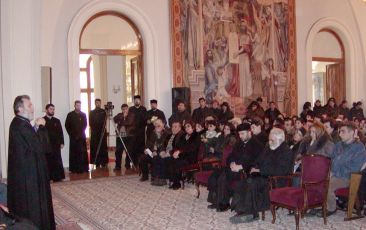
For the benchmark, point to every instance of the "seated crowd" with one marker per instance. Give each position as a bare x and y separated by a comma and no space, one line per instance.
263,143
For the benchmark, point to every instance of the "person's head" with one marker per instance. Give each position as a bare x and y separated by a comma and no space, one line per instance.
318,103
279,123
276,138
137,100
189,127
272,105
316,131
98,103
330,125
159,125
267,120
306,106
124,108
256,126
176,127
344,104
181,106
77,105
211,125
259,100
347,132
225,106
153,104
299,135
50,110
215,104
199,127
244,132
356,122
209,55
254,106
318,118
359,104
202,102
228,129
331,102
288,125
299,123
23,107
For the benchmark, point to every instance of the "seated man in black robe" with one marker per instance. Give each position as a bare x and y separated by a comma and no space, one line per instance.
56,138
29,192
252,195
243,156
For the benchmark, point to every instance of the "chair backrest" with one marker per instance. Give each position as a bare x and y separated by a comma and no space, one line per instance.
225,154
315,168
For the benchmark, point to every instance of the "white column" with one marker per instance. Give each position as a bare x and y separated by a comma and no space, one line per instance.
20,62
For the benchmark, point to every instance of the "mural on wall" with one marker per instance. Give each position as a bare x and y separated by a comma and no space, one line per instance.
235,51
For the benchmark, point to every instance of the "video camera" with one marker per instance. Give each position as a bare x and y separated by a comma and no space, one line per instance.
109,108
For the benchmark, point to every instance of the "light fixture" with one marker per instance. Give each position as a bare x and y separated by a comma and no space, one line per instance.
116,88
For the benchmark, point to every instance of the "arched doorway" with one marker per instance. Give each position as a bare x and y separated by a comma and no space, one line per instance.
328,67
110,60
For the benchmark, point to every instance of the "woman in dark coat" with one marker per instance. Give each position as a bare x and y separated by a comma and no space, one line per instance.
226,114
185,155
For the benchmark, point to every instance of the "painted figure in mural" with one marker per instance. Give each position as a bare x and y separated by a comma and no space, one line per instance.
191,35
221,84
246,85
281,36
270,81
233,68
210,77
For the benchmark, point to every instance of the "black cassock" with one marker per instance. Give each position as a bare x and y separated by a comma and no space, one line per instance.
56,139
252,195
140,124
75,126
97,121
29,192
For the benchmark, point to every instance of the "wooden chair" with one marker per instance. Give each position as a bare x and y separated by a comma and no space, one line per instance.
201,177
352,193
312,193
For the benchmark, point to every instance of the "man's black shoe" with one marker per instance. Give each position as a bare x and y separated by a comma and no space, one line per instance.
212,206
223,207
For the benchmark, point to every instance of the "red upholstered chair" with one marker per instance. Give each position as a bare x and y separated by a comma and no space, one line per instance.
201,177
312,193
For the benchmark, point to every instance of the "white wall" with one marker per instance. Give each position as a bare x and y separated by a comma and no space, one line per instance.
314,15
326,45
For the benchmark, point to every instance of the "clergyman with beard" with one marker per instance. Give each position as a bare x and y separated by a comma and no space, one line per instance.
29,192
252,195
56,140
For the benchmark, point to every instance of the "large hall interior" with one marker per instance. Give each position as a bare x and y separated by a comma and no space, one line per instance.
182,114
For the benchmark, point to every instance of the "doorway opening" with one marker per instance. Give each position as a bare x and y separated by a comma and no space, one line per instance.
328,67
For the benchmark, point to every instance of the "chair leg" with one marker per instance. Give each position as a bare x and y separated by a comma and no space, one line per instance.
263,215
324,214
198,190
273,210
297,218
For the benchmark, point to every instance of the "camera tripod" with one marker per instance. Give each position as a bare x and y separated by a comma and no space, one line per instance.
109,117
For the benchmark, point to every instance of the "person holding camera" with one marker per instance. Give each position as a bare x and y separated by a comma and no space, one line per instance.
125,122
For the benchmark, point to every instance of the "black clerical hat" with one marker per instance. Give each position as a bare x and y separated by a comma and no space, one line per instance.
243,127
137,97
153,101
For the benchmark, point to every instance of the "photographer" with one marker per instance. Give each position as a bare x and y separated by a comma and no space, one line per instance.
125,122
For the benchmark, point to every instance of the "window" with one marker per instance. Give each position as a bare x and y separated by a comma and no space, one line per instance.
86,85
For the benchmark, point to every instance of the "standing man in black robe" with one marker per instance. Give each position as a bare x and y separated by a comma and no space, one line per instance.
199,114
182,115
97,122
75,126
252,195
140,115
29,191
153,114
56,138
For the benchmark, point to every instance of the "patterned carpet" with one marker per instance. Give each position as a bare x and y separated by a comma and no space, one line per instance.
125,203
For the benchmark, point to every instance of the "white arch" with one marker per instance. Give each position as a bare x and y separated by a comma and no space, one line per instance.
350,58
151,70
